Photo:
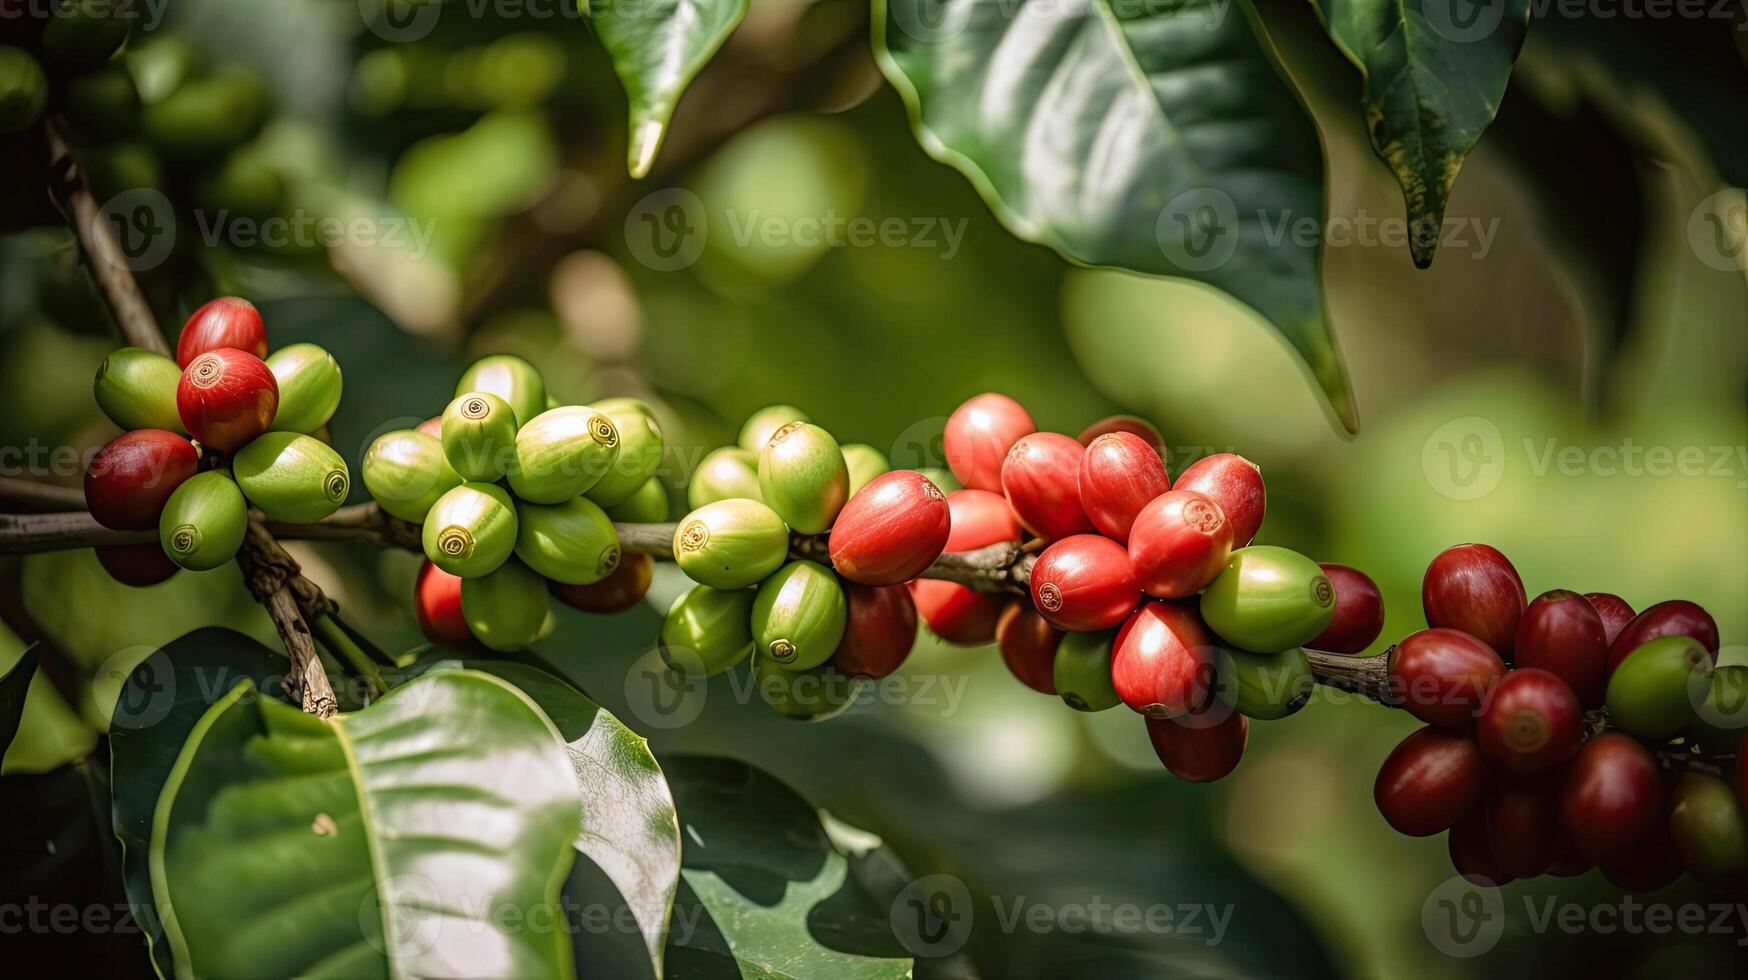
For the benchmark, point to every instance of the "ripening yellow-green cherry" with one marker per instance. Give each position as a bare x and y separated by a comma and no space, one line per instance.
799,615
731,544
406,472
764,423
479,436
707,631
506,608
470,530
510,378
725,474
292,477
819,694
640,453
136,388
563,452
203,522
803,478
649,505
572,542
309,387
864,463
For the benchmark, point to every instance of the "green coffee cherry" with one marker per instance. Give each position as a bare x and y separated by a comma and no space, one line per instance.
803,478
819,694
941,477
248,184
309,387
864,463
103,105
1269,599
203,522
707,630
1707,823
24,90
292,477
406,471
572,542
506,608
470,530
621,404
725,474
561,453
1722,717
764,423
1082,671
479,435
640,453
731,544
510,378
205,117
1655,692
1265,686
799,616
83,34
649,505
136,388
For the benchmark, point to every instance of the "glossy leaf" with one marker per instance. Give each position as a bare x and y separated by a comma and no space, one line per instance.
657,47
1155,138
13,688
1435,71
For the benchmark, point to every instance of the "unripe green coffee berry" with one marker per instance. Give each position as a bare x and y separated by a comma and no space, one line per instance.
83,34
1265,686
864,463
511,378
24,89
205,117
764,423
406,472
623,403
731,544
309,387
561,453
1707,823
505,609
470,530
728,473
1656,691
103,105
799,616
640,453
707,631
292,477
572,542
649,505
1269,599
1082,671
941,477
136,388
203,522
803,478
820,694
479,436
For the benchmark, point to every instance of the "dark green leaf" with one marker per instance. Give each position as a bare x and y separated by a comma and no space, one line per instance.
13,689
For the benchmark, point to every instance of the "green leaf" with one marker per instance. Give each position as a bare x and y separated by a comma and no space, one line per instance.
13,688
1157,138
1435,71
657,48
765,893
426,835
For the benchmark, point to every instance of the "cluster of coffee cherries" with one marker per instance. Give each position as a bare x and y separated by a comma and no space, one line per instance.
1517,763
517,496
221,427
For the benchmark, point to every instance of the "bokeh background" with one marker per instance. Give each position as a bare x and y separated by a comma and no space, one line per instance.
1503,392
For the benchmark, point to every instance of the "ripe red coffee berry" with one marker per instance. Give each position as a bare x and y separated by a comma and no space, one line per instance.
1614,612
1359,611
138,565
1649,864
955,613
1523,823
229,321
437,603
1675,617
1611,797
1028,646
1119,474
1135,425
1163,661
892,529
1233,482
1530,722
1429,782
624,587
879,630
129,480
1084,583
1441,675
1474,588
978,436
226,398
1041,479
1471,851
1179,543
1560,632
1199,753
979,519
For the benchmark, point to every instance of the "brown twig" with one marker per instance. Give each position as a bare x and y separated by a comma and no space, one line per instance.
31,497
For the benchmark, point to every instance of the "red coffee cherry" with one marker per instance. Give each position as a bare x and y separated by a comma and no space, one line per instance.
1471,851
138,565
1359,611
1429,782
1651,863
1041,479
229,321
1028,646
879,630
978,436
1163,661
437,603
1614,612
1233,482
1199,752
1179,543
226,398
1529,722
892,529
1523,823
979,519
1441,675
1084,583
1675,617
624,587
1135,425
129,480
1473,588
955,613
1119,474
1612,796
1560,632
